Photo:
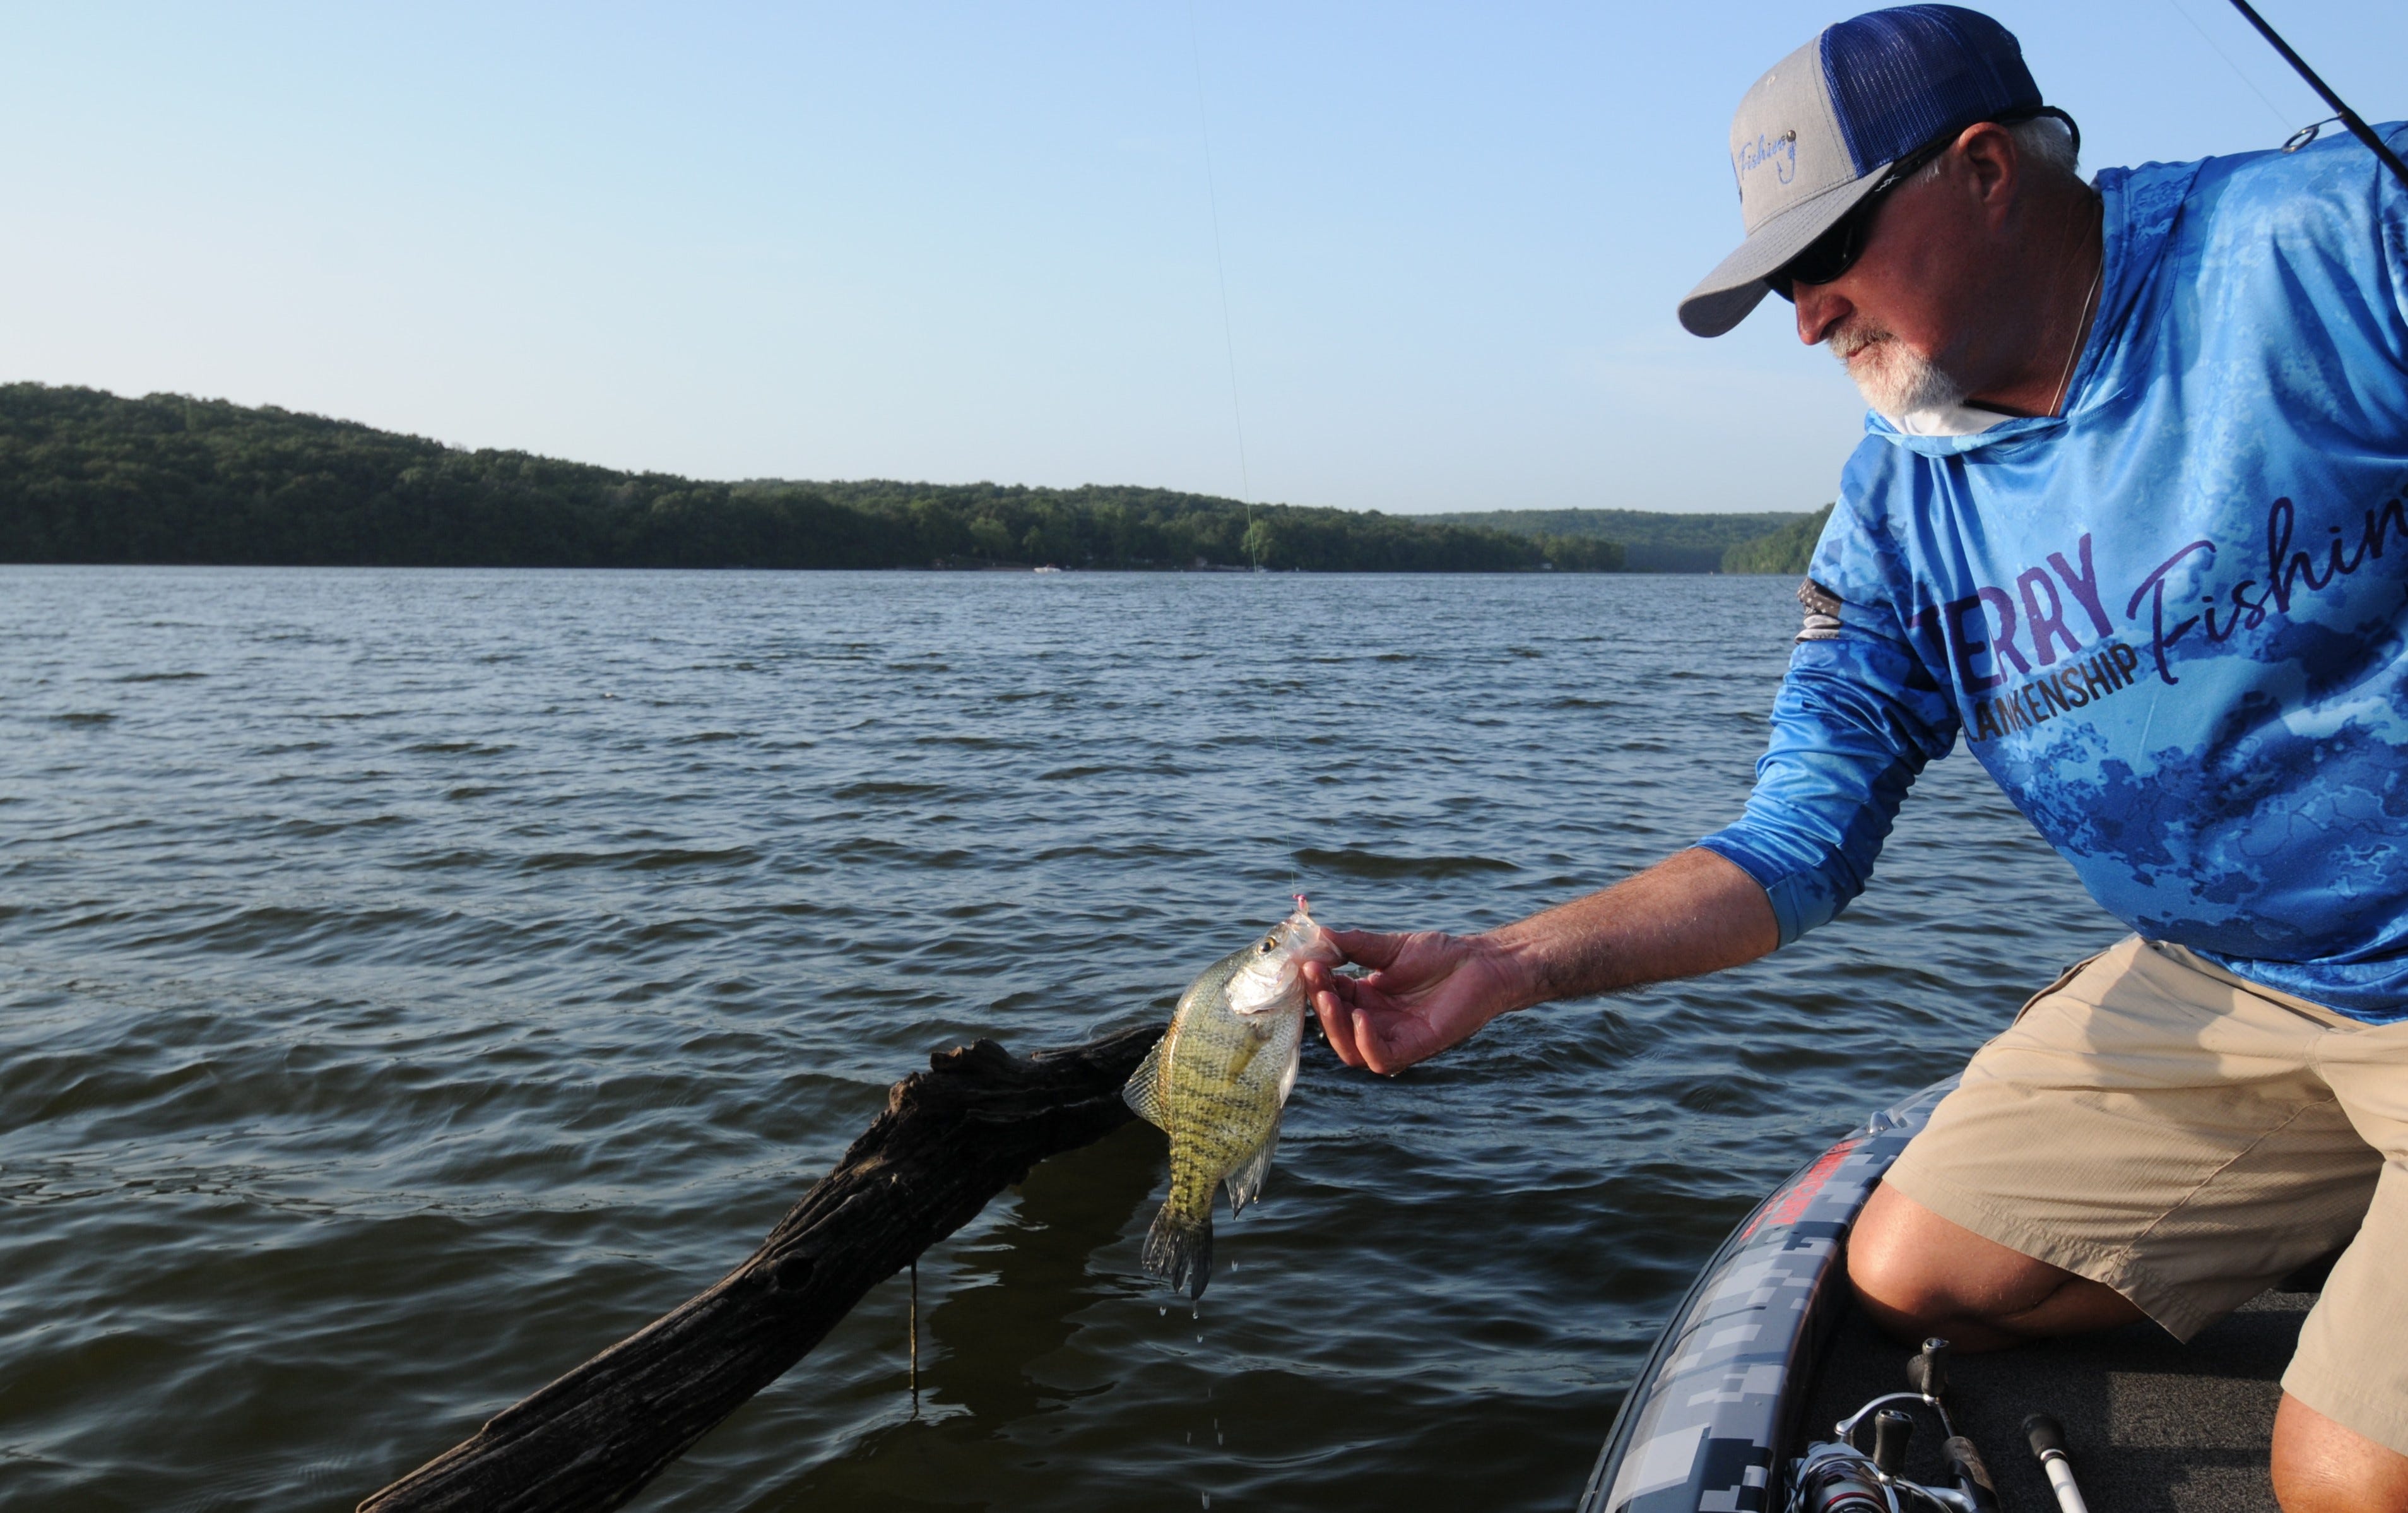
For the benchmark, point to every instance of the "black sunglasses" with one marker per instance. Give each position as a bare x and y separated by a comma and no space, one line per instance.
1836,250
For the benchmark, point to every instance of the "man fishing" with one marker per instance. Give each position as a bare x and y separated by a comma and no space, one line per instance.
2129,519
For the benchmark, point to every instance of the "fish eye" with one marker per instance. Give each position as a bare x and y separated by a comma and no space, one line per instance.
1270,942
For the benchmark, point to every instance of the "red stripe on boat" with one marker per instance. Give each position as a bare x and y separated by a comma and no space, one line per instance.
1789,1205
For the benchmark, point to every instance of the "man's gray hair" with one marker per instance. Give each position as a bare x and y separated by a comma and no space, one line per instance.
2049,142
2046,143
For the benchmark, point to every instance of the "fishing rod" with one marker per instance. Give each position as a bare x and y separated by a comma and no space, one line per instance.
2343,113
2048,1439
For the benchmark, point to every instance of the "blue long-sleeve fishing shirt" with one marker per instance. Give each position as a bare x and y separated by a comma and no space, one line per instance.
2172,621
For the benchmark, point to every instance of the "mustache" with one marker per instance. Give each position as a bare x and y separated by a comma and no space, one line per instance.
1854,336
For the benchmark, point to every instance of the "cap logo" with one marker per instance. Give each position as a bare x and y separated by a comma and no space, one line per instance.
1779,153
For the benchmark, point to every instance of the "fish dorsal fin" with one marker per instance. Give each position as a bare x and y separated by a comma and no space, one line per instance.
1142,1092
1245,1184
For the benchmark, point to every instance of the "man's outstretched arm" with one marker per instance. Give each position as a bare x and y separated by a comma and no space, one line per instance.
1692,913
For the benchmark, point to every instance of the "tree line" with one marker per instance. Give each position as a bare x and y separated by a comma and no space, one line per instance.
1786,551
87,475
1652,541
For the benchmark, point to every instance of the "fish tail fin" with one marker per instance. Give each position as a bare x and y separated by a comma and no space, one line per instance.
1179,1250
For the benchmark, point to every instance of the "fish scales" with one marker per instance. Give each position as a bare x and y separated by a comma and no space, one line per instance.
1216,1083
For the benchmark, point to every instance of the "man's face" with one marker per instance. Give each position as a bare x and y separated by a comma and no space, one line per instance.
1905,316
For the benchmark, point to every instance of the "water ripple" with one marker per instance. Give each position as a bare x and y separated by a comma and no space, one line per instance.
412,982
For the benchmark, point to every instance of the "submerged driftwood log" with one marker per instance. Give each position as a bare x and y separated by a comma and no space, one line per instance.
951,1137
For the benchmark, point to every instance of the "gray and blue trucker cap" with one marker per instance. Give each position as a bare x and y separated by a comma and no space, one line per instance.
1815,134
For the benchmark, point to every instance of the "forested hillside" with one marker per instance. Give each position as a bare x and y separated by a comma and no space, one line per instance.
86,476
1651,542
1785,551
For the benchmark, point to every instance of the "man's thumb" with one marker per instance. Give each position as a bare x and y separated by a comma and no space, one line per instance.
1368,947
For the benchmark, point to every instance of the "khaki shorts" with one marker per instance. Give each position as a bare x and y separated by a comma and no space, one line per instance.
2153,1123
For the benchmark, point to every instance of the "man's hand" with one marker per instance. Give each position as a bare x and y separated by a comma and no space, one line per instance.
1691,913
1426,992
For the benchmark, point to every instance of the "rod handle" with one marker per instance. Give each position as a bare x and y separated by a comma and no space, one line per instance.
1891,1432
2047,1437
1971,1476
1927,1372
2061,1481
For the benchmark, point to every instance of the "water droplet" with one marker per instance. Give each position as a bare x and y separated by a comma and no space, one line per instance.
1163,1312
1208,1499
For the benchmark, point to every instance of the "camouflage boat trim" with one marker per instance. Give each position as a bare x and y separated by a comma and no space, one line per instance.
1714,1408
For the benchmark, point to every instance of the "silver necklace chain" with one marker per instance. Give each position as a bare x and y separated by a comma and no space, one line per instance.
2081,329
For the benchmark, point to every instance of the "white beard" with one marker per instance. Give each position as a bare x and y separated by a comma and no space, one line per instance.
1894,378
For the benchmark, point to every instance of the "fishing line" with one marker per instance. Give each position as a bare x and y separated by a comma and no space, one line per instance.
2348,117
1220,268
2215,48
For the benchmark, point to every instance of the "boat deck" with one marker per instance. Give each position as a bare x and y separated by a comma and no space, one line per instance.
2150,1426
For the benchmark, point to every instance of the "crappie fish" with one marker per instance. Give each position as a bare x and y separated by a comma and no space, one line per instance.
1217,1082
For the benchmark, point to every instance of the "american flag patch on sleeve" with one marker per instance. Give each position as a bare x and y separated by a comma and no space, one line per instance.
1822,612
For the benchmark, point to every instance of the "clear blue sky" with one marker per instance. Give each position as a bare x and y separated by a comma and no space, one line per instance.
957,242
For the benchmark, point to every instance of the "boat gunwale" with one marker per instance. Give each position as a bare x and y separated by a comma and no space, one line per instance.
1804,1210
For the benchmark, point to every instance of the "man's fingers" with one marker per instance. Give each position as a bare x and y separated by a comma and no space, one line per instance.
1367,1039
1367,1027
1386,1043
1367,1018
1368,947
1320,980
1338,1027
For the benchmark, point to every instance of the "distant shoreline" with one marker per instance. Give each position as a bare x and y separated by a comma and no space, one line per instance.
88,477
906,569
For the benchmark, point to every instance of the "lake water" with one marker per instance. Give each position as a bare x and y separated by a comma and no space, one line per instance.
412,981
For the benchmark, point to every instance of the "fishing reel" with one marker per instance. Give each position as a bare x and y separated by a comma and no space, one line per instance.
1838,1475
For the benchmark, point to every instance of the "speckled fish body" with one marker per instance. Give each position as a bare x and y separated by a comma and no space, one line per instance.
1217,1083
